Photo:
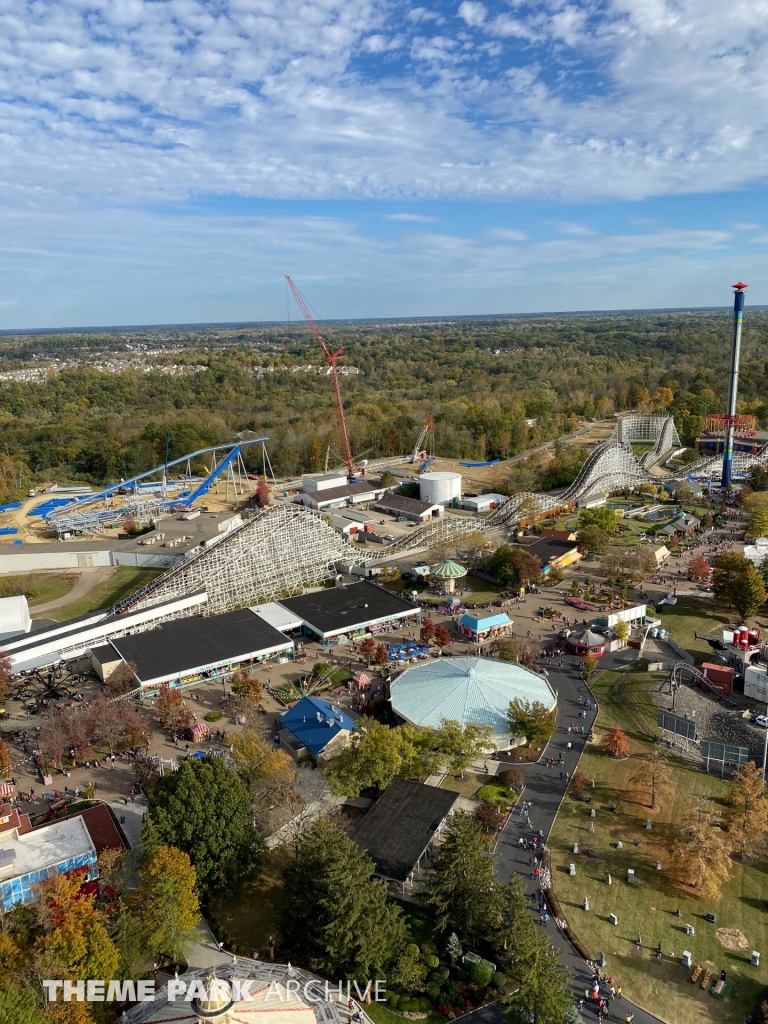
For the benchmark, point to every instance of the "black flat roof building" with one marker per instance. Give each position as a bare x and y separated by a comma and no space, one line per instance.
402,823
190,647
329,613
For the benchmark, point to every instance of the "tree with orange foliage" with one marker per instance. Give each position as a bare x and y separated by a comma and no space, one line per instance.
616,743
368,648
6,675
74,945
6,761
173,715
380,655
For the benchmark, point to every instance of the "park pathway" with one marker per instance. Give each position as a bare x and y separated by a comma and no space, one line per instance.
545,790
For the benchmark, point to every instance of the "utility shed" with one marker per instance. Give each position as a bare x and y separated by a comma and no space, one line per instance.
399,828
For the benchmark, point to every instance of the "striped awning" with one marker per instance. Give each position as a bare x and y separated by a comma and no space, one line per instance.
7,789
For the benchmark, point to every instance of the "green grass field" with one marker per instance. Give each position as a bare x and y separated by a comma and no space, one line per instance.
39,587
648,908
125,581
692,615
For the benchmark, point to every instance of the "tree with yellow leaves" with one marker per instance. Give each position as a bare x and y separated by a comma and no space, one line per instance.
256,759
701,853
74,945
166,902
748,821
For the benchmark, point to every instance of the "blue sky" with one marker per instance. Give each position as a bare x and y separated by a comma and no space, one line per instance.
167,161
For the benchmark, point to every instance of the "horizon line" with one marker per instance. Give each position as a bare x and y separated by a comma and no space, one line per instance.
10,331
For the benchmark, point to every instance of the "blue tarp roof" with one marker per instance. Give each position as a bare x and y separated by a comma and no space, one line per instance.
316,722
479,625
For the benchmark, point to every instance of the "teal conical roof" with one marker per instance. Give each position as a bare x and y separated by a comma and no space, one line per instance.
447,570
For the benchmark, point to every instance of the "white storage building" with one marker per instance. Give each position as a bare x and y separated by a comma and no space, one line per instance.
14,617
483,502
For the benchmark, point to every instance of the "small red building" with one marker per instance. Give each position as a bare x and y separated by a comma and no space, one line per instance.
588,643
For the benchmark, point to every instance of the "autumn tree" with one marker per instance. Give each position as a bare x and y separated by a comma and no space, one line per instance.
106,722
748,821
380,655
122,680
171,710
531,719
74,943
615,742
256,759
368,647
579,783
442,637
6,675
166,902
736,581
513,566
700,853
699,567
427,631
245,684
6,759
654,773
263,494
589,666
54,741
621,630
490,816
507,648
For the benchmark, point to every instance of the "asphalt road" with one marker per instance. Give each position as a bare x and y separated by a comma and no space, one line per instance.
545,790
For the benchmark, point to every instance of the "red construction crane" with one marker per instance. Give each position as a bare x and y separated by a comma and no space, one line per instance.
334,374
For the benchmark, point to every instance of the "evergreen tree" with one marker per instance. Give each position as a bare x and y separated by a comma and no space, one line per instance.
453,948
336,913
462,888
19,1006
204,809
541,996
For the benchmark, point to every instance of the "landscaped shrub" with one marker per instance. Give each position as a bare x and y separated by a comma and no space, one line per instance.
499,980
393,998
433,990
406,1004
494,793
429,948
424,1004
482,972
443,973
213,716
432,961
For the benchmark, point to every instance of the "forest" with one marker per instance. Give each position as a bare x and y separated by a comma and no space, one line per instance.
497,386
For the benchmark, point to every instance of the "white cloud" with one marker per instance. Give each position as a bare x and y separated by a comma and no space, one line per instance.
472,12
416,218
147,100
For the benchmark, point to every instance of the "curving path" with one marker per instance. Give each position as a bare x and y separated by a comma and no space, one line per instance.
545,791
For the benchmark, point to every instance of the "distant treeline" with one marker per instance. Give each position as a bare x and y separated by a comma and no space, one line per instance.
483,378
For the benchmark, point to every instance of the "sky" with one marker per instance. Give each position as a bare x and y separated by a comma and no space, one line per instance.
169,161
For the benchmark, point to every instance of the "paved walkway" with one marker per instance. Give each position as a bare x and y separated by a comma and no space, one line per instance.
88,579
545,790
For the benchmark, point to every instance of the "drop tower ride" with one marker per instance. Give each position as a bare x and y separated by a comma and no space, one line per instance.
733,383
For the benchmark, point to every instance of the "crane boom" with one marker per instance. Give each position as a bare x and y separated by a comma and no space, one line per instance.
422,436
334,374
